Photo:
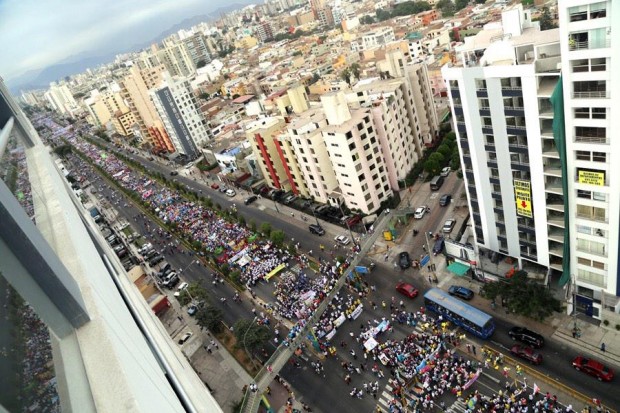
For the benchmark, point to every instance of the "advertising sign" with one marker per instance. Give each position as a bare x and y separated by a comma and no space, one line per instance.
523,197
592,177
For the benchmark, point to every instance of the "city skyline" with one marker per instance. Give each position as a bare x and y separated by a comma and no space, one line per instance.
54,34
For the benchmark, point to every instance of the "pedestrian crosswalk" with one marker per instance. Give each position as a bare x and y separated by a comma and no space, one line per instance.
388,399
458,406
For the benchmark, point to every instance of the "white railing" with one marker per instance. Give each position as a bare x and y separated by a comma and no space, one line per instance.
594,94
588,45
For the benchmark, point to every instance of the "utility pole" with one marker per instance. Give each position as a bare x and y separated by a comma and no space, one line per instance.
431,258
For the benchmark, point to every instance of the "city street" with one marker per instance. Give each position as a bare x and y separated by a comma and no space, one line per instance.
329,387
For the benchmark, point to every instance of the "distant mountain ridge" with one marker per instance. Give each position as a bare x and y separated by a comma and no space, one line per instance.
41,78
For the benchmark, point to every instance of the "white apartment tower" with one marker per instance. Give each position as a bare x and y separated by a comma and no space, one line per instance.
500,83
590,67
356,158
386,101
177,107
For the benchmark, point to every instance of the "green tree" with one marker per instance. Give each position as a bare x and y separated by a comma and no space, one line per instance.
62,150
367,19
265,228
455,161
460,4
522,296
546,22
354,69
445,150
210,318
383,15
439,158
446,7
432,166
346,76
201,63
250,335
277,237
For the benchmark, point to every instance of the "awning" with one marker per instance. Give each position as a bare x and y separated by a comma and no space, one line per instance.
458,268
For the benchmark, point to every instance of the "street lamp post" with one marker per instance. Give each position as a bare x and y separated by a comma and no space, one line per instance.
430,256
347,224
315,218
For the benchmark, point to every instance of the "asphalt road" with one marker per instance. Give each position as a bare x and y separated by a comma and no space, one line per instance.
330,393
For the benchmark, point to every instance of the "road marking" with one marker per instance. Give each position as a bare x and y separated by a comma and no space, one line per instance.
434,195
496,380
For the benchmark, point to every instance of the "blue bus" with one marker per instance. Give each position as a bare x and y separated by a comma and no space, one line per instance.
460,313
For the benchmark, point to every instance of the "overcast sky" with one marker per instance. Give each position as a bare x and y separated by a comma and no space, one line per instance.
36,34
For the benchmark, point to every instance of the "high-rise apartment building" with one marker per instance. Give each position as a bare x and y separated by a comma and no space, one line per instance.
109,107
61,99
351,141
386,101
262,135
135,91
264,31
177,107
500,84
198,49
590,50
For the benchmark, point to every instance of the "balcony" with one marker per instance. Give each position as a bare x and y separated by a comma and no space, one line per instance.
555,205
516,130
588,45
556,249
485,111
556,263
592,94
591,217
555,219
592,139
556,234
553,169
548,64
514,111
512,91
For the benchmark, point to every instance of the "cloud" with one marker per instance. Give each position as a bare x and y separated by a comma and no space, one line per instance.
36,34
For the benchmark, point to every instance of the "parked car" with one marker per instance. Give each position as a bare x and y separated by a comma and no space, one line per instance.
289,199
231,192
445,200
223,189
527,353
419,212
404,260
192,309
446,171
593,368
316,229
155,260
407,289
448,226
342,240
250,199
526,336
180,288
438,247
185,337
173,173
461,292
215,186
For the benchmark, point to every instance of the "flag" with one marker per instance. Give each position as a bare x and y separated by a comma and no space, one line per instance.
536,388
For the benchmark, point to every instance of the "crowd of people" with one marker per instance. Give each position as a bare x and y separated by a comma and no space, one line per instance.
194,221
38,387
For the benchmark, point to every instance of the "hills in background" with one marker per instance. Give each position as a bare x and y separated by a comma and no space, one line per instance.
41,78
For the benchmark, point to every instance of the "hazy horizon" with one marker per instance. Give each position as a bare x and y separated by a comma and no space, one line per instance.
53,33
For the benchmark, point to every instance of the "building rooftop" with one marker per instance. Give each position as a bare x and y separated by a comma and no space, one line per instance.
243,99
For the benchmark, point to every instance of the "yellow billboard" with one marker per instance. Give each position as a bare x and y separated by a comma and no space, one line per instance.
592,177
523,197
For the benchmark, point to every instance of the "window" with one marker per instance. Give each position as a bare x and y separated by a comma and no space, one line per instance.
591,277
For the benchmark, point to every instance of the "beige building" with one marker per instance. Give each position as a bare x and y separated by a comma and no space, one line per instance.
312,157
356,158
295,100
388,101
135,90
105,107
421,109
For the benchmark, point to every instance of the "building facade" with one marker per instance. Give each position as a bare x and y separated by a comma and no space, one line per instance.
177,107
499,87
590,58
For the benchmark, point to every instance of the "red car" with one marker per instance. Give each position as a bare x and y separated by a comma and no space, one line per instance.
527,353
407,289
215,186
593,368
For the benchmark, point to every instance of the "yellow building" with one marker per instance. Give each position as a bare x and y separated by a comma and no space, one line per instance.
247,42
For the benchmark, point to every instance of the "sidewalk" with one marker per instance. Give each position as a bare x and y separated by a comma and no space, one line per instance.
222,374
